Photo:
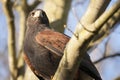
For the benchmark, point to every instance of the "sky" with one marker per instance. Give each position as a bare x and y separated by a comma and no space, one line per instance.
3,30
109,68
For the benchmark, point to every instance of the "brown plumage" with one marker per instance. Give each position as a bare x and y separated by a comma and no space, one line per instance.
43,49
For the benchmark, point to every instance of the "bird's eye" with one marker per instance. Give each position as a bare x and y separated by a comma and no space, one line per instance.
32,14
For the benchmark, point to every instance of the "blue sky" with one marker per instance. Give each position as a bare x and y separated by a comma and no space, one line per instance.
3,30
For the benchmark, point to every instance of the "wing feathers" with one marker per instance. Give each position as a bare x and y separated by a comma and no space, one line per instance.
53,41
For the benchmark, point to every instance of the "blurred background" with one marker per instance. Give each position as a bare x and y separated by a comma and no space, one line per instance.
105,53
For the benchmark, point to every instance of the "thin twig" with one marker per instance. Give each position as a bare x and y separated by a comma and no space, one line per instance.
106,57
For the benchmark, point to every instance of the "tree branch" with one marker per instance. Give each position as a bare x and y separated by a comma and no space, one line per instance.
100,21
105,30
97,25
106,57
97,7
58,13
107,20
7,7
34,5
73,54
118,78
22,9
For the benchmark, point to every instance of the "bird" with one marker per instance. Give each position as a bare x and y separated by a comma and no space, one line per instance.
44,48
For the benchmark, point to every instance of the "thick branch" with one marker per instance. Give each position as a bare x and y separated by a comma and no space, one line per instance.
73,54
118,78
57,11
102,20
22,13
7,6
106,57
24,9
105,30
34,5
97,7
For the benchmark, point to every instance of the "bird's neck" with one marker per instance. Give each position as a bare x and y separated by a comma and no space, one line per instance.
33,30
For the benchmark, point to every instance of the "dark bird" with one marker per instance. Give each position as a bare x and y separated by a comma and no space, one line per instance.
43,49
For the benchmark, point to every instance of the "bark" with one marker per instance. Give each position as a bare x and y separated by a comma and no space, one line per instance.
57,11
95,9
17,66
23,14
73,54
30,75
117,78
106,29
7,7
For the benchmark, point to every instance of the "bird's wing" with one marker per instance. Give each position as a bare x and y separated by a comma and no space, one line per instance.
53,41
88,67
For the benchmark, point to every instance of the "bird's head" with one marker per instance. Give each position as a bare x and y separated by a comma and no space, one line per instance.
37,17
